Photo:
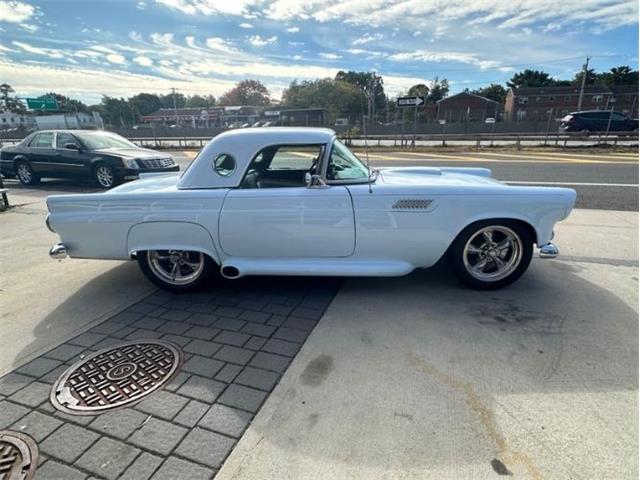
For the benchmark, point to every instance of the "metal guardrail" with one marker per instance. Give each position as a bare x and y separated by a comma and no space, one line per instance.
477,140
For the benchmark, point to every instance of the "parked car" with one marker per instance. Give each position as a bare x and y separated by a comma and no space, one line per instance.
597,121
104,156
296,201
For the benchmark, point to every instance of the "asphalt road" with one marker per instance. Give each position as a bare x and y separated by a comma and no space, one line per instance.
607,181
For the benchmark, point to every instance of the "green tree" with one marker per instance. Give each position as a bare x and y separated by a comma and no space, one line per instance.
246,92
530,78
200,101
494,91
370,83
339,98
10,103
622,75
145,103
439,90
591,77
168,99
116,112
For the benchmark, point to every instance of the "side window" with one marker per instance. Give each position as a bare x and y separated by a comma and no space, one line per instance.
295,158
64,138
44,140
344,165
224,165
282,166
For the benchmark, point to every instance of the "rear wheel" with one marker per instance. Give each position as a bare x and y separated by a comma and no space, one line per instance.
176,270
491,254
25,173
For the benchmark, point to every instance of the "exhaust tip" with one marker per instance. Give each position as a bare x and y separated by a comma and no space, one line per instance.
230,272
58,251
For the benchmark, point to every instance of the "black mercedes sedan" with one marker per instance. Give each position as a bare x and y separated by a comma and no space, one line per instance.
104,156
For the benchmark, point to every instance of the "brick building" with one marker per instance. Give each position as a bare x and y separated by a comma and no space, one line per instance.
464,107
537,103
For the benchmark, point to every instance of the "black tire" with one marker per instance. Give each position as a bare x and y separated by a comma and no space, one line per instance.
25,173
521,260
105,176
150,268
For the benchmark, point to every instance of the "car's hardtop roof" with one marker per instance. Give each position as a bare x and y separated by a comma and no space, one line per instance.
280,134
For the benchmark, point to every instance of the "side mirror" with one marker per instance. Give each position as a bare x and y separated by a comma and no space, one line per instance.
72,146
314,181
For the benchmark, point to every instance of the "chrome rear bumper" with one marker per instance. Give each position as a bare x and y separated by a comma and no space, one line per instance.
58,251
548,250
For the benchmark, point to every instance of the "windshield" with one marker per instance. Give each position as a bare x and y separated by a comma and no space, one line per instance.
100,140
344,165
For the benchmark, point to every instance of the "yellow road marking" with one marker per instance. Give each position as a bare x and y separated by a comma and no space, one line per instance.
576,156
514,158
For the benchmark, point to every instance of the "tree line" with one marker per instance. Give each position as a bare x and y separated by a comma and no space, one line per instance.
349,94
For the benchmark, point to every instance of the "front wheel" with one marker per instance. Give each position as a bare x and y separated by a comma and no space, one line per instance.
175,270
105,176
491,254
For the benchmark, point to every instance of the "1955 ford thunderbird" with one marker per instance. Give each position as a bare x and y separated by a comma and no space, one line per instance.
296,201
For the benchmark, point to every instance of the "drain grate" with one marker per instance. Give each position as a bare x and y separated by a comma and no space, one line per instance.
18,456
115,377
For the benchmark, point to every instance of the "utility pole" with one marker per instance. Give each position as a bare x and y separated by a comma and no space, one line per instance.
585,69
175,108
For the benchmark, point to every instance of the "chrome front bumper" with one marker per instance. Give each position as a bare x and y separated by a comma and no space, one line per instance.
548,250
58,251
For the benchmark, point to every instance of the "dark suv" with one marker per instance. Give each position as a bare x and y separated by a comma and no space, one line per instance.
598,121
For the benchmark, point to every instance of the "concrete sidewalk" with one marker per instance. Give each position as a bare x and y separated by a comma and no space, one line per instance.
45,302
417,377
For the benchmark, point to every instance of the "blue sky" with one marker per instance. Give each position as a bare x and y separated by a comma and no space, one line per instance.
86,48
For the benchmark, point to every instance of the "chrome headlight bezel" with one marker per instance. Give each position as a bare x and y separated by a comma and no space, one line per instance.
131,163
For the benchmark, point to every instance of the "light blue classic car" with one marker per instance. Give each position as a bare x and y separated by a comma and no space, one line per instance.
296,201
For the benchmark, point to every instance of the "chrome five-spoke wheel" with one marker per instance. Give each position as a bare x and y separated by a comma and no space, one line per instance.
176,267
493,253
176,270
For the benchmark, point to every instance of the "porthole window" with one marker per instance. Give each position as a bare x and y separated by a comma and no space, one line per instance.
224,165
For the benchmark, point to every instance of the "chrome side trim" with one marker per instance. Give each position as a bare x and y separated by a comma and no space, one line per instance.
549,250
58,251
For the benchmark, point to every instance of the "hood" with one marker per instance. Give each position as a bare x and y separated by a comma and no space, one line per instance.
131,153
437,176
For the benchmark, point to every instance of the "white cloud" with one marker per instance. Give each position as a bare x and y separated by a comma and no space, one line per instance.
245,25
15,12
330,56
141,5
370,53
142,60
211,7
48,52
29,27
116,58
458,13
258,41
293,29
297,57
367,38
216,43
443,56
296,44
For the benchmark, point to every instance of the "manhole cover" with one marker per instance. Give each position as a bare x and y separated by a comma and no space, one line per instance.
115,377
18,456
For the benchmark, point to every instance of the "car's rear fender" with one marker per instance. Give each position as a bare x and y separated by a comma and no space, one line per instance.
164,235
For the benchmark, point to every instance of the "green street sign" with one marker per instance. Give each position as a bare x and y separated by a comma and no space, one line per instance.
42,103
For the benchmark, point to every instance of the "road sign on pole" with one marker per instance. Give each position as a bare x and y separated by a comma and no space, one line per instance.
410,101
42,103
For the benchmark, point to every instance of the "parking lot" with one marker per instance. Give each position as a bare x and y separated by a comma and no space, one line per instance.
411,377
